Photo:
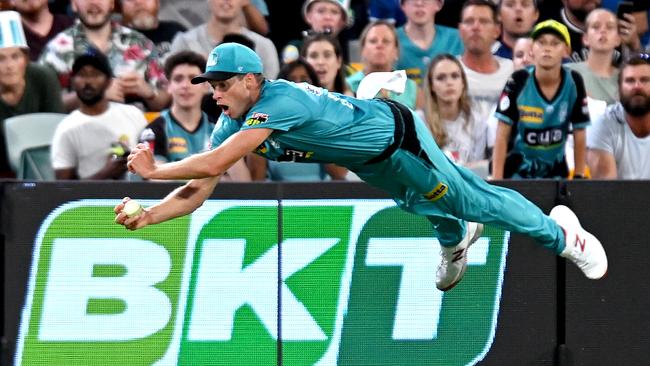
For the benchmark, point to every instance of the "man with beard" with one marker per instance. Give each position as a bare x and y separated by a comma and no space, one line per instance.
40,24
619,142
93,141
142,15
139,76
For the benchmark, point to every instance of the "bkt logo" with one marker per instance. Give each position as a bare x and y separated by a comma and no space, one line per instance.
349,282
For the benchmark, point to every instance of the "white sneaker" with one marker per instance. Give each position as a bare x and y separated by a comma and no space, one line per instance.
582,248
453,261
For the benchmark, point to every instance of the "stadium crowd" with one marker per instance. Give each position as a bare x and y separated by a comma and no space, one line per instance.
513,89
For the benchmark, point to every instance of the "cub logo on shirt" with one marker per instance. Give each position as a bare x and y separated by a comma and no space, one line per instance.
257,119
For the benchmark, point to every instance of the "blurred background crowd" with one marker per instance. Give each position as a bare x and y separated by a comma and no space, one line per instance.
512,89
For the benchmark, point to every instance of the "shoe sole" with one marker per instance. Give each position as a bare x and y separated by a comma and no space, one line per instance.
477,234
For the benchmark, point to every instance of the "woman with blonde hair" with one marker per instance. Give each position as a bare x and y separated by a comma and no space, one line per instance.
448,113
379,53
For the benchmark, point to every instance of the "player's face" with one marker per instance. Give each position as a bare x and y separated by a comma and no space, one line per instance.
323,16
421,12
602,31
522,53
185,94
234,95
635,89
478,29
94,14
518,16
380,51
447,82
548,51
13,63
322,57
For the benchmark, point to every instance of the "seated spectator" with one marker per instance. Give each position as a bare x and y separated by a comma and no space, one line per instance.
139,77
379,52
142,15
183,129
25,87
619,142
486,73
224,20
517,20
536,111
322,16
448,112
323,53
40,24
421,39
94,140
598,71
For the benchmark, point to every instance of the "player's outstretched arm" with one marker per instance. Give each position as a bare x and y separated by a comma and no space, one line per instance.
208,164
181,201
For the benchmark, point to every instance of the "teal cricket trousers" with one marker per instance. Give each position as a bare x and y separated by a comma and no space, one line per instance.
423,181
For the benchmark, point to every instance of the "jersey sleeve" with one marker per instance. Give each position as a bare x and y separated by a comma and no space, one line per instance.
279,113
507,107
580,113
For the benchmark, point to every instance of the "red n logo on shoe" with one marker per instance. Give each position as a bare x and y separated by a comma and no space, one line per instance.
582,243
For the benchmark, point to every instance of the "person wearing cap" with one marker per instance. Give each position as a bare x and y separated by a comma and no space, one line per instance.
224,20
25,87
421,40
517,20
139,78
383,142
539,107
184,129
92,142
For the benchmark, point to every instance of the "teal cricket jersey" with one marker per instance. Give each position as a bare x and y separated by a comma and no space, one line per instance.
541,126
415,60
170,141
313,125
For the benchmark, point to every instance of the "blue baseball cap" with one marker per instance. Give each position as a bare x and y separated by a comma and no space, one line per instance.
228,60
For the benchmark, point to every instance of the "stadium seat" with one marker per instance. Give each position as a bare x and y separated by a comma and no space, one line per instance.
28,131
35,164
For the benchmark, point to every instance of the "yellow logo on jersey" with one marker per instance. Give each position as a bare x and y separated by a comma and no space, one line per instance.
531,114
437,193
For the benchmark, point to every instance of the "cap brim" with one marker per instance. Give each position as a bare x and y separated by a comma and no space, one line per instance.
212,75
549,30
